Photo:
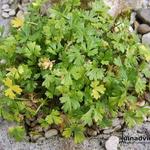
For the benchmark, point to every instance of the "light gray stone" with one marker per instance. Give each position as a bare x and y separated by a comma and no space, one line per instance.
5,6
118,6
116,122
20,14
35,137
108,131
51,133
132,18
112,143
144,15
146,39
4,1
6,10
12,12
5,15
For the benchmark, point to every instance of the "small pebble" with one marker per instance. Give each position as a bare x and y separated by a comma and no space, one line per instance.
5,15
91,132
6,10
51,133
108,131
116,122
12,12
143,28
41,139
35,137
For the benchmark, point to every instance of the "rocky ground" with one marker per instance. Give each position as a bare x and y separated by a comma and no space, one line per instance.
109,139
100,142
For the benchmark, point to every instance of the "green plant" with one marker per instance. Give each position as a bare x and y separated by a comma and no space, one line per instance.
76,67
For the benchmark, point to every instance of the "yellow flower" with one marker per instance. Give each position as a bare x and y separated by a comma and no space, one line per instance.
17,22
12,89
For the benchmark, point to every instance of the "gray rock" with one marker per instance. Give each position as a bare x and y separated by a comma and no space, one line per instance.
146,39
108,131
35,137
133,17
144,15
20,13
112,143
117,128
118,6
5,6
25,1
91,132
5,15
6,10
148,119
12,12
131,29
143,28
5,1
51,133
116,122
41,139
37,128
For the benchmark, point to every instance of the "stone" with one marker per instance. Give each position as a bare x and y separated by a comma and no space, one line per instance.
51,133
144,15
20,14
41,139
119,6
25,1
5,1
5,15
112,143
91,132
37,128
140,103
6,10
12,12
5,6
146,39
133,18
143,28
135,4
116,122
148,119
45,129
3,61
131,29
1,87
108,131
136,25
117,128
35,137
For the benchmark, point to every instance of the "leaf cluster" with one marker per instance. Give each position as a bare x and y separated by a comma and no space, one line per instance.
84,64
